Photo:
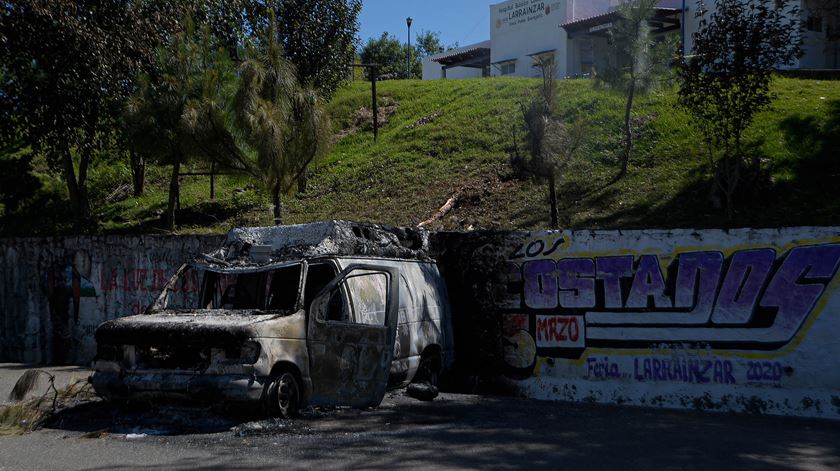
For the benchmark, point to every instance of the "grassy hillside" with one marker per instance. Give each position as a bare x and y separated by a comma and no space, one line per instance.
453,136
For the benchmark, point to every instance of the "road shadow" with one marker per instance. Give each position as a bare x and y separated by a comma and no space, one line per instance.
507,433
150,419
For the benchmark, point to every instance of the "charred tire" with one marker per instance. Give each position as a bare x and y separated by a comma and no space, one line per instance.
429,369
282,398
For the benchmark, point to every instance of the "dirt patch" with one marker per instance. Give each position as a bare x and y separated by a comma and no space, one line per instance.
424,120
473,205
361,120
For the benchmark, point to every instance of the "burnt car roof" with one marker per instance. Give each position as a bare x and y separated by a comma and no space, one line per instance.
262,248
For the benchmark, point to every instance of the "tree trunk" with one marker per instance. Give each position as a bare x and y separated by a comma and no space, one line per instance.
84,200
552,199
77,188
138,173
174,191
628,132
69,172
303,181
278,204
731,177
730,205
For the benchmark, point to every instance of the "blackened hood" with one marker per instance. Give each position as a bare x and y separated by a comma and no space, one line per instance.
203,328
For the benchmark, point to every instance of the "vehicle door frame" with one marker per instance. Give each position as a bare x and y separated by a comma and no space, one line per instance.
333,346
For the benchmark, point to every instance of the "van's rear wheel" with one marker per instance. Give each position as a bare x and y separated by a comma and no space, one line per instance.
283,396
429,369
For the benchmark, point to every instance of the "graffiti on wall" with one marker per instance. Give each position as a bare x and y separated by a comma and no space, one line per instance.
57,291
65,285
559,304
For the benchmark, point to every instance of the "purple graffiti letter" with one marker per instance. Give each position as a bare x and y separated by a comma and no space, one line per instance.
746,276
611,270
798,285
698,272
648,283
577,282
540,284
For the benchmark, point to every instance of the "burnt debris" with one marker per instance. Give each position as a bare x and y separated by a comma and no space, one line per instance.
260,246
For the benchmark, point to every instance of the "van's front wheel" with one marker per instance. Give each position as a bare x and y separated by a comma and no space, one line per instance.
283,396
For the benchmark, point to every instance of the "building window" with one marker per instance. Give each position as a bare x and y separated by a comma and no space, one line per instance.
508,68
815,24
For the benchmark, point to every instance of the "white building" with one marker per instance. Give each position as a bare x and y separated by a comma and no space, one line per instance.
574,34
472,61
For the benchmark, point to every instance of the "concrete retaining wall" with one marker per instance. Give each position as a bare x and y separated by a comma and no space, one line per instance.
745,320
54,292
742,320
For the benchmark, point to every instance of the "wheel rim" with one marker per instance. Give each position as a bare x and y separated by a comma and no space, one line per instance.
285,393
433,378
428,372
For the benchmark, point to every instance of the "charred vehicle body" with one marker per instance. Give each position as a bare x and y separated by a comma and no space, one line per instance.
321,314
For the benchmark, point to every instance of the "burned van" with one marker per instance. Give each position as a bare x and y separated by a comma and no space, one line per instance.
324,314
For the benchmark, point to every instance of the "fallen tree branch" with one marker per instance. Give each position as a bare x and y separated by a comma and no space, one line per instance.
451,204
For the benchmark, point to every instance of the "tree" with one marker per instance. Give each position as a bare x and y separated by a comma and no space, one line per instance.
552,143
283,123
179,114
17,184
391,54
428,44
727,80
319,37
636,63
67,67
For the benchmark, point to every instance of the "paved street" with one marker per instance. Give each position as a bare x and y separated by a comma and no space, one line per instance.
453,432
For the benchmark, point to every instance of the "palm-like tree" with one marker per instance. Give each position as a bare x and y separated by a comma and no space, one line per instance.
178,113
280,120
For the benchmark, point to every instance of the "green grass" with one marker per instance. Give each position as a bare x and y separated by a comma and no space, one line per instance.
411,171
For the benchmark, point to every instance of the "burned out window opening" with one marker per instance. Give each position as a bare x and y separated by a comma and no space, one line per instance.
369,298
337,308
270,290
237,292
359,299
318,275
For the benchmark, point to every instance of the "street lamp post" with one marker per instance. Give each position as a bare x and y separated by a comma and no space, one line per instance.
408,22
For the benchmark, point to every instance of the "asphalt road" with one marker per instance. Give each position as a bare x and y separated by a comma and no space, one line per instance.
453,432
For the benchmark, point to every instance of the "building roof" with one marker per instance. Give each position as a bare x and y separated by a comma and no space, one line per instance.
584,25
464,55
547,51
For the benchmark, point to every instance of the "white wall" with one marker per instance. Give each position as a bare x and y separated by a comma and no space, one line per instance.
741,320
522,27
433,70
580,9
813,48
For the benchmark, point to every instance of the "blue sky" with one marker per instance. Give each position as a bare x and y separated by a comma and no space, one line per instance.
461,21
